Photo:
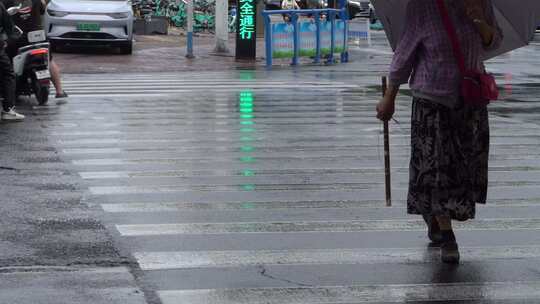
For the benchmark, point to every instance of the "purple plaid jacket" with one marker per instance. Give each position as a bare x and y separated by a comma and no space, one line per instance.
425,55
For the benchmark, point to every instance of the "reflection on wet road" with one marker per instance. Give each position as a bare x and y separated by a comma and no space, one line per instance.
267,187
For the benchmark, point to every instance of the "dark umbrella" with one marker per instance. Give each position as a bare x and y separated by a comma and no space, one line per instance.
517,19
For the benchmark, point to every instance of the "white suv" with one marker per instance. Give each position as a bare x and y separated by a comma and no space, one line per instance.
92,22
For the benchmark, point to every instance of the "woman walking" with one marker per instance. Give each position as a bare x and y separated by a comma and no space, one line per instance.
449,136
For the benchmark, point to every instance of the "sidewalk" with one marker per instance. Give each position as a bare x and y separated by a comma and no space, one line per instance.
163,53
156,53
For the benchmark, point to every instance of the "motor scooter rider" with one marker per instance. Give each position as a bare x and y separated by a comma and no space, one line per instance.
7,75
30,19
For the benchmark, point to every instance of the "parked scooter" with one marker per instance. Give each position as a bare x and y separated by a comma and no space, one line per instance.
31,65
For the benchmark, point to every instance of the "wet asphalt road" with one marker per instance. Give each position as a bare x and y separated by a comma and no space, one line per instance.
257,187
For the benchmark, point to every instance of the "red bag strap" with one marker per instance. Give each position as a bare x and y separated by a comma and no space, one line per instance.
451,30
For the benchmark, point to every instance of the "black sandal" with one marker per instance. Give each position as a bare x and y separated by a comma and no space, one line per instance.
449,248
434,232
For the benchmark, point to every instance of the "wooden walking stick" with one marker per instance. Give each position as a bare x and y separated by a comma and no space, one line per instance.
387,176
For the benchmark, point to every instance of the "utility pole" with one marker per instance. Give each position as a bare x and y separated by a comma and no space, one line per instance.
260,20
190,29
222,26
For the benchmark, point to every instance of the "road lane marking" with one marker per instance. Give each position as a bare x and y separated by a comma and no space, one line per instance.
139,207
190,163
265,186
372,172
169,84
114,190
93,151
237,206
176,81
485,291
319,226
232,141
100,133
244,258
215,86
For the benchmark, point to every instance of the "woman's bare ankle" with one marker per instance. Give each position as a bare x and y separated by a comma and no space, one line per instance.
445,223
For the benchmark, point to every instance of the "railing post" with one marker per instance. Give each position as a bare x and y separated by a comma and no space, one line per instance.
318,38
332,15
268,38
296,39
345,19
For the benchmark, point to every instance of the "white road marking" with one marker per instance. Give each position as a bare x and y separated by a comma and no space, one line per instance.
319,226
140,207
218,259
484,291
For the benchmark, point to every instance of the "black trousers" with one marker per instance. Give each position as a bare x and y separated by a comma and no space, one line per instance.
7,80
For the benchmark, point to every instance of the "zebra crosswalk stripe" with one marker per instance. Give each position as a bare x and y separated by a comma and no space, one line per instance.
485,291
149,207
90,142
318,226
132,85
221,259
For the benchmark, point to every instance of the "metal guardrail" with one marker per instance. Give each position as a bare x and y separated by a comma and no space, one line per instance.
331,15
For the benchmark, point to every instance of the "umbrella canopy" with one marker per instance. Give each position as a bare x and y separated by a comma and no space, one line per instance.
518,20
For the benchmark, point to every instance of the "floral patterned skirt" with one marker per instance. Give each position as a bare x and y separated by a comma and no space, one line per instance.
448,172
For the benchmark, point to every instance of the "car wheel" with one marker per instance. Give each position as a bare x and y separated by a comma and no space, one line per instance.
127,48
